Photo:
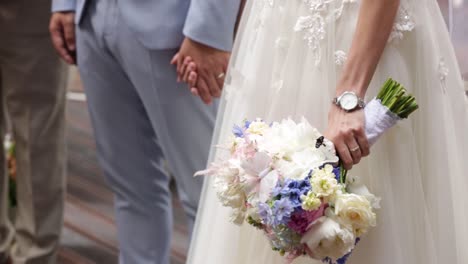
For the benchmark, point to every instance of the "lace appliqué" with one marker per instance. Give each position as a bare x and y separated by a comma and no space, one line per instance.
403,23
262,5
340,57
443,73
313,25
313,28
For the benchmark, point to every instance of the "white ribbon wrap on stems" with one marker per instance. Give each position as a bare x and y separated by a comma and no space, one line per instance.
378,120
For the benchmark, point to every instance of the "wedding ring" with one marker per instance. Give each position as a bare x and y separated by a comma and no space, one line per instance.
221,75
354,149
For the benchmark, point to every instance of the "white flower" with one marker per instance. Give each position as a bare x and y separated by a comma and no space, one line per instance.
259,178
355,211
310,202
324,183
355,185
238,216
257,127
227,185
290,170
326,238
253,213
296,143
299,164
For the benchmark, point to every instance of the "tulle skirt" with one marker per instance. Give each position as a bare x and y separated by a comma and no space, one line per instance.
284,67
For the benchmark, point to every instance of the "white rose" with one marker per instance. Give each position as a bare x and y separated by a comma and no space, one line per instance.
355,185
356,212
326,238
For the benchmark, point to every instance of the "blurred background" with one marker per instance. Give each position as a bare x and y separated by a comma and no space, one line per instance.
456,17
89,234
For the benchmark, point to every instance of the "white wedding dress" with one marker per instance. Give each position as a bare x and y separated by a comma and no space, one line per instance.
288,58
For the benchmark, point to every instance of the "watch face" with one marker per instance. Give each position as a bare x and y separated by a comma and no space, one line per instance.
349,101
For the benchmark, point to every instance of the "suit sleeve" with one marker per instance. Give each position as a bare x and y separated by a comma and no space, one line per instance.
63,5
212,22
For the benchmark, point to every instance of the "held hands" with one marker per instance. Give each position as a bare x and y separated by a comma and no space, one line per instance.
346,131
62,33
202,67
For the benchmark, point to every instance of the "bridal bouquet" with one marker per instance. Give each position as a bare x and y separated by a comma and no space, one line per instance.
284,178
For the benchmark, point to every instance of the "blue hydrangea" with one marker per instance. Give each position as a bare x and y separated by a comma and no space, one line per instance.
295,197
277,190
282,210
247,124
265,213
304,186
292,189
291,184
337,172
238,131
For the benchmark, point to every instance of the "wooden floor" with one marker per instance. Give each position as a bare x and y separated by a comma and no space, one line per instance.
89,230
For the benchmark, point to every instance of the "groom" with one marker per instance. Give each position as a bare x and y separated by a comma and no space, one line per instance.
140,114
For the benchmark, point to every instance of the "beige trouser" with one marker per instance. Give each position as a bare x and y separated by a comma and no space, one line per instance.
32,93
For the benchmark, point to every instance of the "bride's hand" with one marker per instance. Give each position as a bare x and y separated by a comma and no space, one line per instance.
188,73
346,131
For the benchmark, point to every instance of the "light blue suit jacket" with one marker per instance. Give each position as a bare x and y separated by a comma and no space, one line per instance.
162,24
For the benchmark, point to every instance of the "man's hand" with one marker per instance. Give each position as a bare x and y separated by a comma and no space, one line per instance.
211,65
62,32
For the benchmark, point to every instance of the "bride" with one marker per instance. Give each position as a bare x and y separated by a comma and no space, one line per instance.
292,58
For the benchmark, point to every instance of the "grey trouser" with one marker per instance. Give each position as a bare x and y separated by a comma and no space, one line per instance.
141,117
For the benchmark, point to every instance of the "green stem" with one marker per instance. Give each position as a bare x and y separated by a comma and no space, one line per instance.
394,96
343,173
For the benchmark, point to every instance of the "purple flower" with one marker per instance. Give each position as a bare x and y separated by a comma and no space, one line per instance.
291,184
265,213
295,197
247,124
282,210
300,220
277,190
304,186
337,172
292,189
238,131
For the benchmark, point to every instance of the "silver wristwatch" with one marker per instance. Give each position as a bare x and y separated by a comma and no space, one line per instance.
349,101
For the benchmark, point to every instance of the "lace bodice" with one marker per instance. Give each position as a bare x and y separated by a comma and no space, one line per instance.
312,24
